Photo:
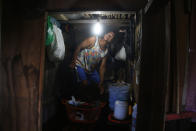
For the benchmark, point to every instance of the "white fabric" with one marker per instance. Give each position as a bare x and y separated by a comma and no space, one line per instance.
121,55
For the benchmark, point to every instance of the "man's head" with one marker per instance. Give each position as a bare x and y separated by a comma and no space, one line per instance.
109,36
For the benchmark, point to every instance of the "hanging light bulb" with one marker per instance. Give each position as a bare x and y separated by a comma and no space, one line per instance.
97,28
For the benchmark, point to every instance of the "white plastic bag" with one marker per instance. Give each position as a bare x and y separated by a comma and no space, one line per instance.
121,55
56,50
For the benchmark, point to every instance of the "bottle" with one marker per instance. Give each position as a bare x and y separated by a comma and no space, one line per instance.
130,110
121,110
134,115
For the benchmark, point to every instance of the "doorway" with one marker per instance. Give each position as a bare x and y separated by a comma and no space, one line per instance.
61,82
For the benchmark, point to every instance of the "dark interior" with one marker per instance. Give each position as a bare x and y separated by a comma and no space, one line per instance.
61,81
160,67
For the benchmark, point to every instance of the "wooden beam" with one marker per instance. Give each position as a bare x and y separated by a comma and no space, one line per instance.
153,78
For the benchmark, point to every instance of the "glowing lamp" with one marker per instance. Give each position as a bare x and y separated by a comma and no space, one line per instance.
97,28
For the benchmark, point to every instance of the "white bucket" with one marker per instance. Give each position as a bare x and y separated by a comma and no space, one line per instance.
120,110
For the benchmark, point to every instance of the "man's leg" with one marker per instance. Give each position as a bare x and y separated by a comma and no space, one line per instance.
80,92
93,88
94,77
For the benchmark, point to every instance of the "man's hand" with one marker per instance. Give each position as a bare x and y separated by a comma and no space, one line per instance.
101,91
101,88
73,64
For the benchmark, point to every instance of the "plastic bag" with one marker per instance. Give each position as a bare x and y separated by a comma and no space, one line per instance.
56,50
121,55
50,34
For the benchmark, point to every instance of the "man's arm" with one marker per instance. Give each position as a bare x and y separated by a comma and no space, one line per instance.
101,72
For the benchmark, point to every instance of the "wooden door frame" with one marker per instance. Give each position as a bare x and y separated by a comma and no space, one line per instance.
41,77
154,69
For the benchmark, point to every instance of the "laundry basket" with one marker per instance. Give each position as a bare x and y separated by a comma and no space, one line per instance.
85,113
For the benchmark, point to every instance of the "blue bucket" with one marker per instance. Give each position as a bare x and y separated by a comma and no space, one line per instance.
118,92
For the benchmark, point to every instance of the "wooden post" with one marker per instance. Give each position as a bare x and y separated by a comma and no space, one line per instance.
153,77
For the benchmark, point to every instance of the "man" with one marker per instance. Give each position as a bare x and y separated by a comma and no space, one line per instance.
87,57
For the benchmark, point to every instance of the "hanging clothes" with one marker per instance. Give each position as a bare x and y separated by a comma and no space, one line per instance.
56,50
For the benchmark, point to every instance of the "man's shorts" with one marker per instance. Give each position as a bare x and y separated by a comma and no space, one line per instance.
92,77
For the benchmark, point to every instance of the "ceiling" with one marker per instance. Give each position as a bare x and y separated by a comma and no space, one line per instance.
89,11
73,5
105,17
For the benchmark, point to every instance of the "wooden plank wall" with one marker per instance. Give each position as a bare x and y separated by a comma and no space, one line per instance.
22,65
1,72
182,37
178,57
191,90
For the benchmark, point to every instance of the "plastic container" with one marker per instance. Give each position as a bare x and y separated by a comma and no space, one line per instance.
118,92
86,113
121,110
134,115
